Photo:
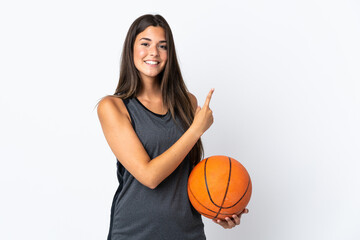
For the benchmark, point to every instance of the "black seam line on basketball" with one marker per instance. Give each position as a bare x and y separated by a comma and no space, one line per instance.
206,214
200,202
227,188
227,214
247,188
207,187
224,214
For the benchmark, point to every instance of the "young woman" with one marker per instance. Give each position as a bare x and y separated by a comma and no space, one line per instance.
153,126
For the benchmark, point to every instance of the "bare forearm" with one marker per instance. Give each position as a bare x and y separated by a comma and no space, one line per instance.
151,172
163,165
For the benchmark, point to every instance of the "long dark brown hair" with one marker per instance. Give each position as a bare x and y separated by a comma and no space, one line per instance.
173,88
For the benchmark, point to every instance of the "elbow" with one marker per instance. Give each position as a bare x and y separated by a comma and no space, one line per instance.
151,186
147,177
150,182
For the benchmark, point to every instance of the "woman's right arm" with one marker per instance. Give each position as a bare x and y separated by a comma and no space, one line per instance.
128,149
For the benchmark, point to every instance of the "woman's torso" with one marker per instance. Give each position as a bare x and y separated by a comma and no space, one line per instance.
139,212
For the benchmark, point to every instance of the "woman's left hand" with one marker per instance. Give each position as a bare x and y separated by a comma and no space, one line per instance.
230,223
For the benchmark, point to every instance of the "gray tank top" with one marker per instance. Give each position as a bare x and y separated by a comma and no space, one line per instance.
163,213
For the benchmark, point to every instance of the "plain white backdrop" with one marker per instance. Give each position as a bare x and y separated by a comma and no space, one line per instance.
286,105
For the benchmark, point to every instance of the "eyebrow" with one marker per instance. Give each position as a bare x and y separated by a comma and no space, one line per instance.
148,39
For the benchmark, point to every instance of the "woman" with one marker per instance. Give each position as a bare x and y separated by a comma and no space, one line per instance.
153,126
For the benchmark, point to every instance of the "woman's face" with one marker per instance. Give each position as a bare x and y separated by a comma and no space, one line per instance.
150,52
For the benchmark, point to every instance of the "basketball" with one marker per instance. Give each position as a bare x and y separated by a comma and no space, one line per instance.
219,187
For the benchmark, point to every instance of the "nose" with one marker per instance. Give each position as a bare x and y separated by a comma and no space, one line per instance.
154,51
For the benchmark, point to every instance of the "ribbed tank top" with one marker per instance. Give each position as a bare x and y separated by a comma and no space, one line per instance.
163,213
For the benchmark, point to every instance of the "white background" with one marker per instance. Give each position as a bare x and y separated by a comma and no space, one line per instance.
286,104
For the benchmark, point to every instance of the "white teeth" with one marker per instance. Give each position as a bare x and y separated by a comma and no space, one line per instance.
152,62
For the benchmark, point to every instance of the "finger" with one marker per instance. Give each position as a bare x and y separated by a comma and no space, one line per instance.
222,223
208,98
236,219
230,222
245,211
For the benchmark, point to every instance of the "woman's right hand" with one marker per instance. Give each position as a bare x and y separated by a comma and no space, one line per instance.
203,118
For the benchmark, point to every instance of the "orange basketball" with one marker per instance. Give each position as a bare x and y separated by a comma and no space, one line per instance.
219,187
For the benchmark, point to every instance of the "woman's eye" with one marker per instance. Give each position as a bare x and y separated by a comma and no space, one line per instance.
145,44
163,47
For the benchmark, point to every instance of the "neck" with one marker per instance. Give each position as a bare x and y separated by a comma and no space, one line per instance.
150,95
150,89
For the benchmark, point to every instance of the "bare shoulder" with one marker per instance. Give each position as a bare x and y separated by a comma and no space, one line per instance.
193,100
112,106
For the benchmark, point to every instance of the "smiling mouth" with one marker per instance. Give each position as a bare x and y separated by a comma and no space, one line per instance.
152,62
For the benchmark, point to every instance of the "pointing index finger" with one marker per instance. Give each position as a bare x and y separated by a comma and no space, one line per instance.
208,98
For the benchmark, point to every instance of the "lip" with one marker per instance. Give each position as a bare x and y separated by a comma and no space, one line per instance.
153,65
152,60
